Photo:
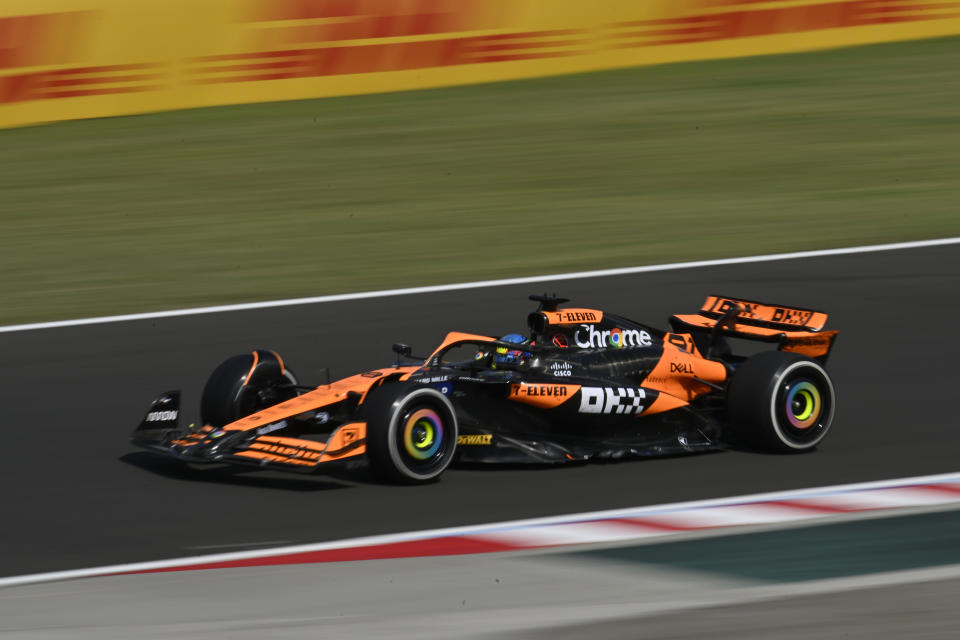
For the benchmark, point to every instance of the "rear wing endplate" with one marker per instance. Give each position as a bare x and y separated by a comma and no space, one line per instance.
794,329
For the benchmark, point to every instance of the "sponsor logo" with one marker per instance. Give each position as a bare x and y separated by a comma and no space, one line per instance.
560,340
752,310
545,396
270,428
294,453
746,310
321,417
618,400
539,390
791,316
218,433
372,374
561,369
681,367
481,439
588,336
577,316
161,416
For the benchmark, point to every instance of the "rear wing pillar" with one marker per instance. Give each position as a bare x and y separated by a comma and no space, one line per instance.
793,329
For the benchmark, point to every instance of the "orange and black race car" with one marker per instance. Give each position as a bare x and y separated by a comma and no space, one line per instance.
581,384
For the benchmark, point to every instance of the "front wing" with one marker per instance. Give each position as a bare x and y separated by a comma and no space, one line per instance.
254,440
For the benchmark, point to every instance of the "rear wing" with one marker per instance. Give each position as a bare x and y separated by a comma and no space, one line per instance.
794,329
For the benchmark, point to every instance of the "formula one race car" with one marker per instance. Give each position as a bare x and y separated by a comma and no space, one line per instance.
581,384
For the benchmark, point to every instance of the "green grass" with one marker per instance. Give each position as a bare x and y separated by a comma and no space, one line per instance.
677,162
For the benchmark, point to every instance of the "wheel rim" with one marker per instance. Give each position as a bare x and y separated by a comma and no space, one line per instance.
422,434
803,406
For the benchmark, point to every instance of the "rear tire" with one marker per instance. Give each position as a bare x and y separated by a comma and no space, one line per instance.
411,433
781,401
229,396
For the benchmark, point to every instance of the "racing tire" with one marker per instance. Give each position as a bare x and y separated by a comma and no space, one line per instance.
411,433
229,396
781,402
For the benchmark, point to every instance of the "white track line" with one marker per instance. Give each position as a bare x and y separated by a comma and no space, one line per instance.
513,529
920,244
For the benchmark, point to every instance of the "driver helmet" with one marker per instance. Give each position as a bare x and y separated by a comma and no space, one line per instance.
506,356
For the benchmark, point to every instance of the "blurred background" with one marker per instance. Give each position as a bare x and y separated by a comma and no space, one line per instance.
623,133
172,154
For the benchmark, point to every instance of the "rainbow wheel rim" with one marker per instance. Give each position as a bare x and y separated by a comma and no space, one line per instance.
422,434
803,405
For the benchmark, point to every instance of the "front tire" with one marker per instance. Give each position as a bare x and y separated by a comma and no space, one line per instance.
411,433
243,385
781,401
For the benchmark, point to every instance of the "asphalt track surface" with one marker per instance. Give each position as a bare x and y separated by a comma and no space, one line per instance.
77,494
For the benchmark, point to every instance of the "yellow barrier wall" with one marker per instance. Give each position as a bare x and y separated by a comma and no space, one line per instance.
63,59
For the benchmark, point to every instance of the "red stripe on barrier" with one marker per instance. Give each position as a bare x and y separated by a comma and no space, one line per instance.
779,20
537,44
523,56
115,68
945,488
812,505
650,522
94,80
529,35
371,58
102,91
449,546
